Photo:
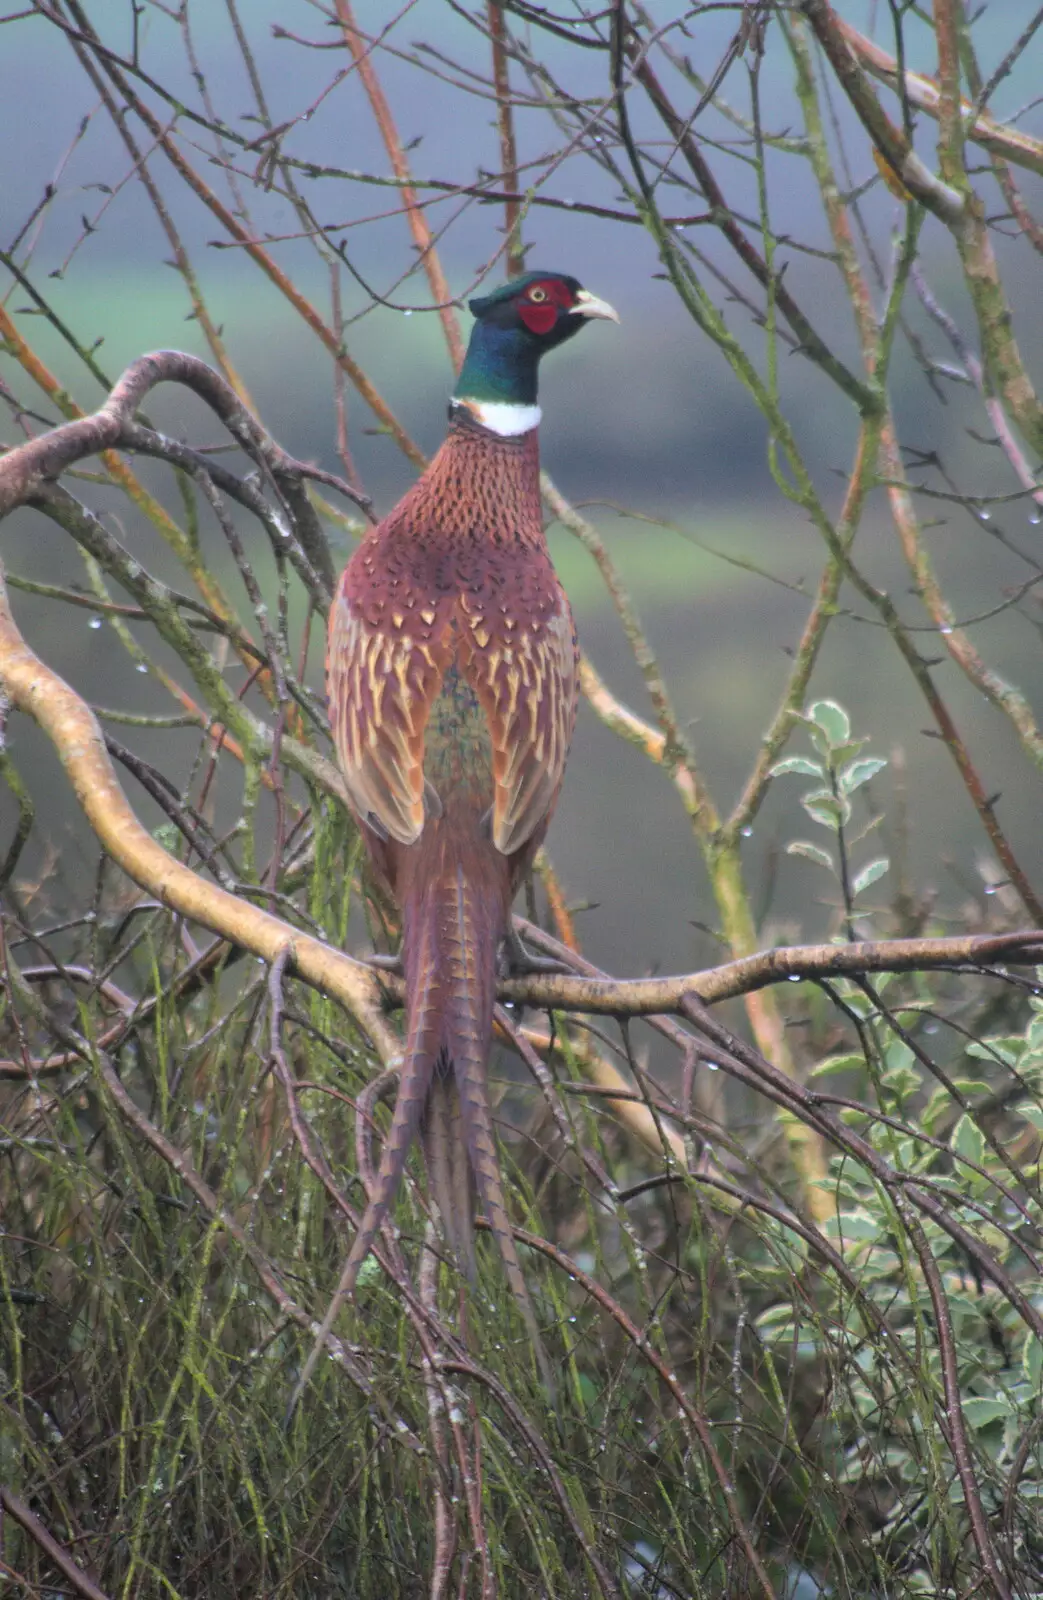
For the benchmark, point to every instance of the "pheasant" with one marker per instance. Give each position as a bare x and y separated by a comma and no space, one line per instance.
452,677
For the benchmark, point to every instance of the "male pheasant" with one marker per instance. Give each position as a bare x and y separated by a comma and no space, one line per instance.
452,677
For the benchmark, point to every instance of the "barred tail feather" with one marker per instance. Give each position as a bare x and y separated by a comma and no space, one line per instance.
423,1043
471,973
449,1181
453,924
425,1006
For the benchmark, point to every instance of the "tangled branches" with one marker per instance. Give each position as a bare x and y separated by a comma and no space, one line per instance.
781,1213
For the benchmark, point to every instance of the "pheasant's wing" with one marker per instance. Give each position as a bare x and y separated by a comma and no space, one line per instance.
526,678
383,676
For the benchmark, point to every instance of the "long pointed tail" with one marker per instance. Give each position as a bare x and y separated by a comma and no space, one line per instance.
454,919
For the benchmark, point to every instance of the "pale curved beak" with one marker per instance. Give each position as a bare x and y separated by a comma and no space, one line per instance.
588,305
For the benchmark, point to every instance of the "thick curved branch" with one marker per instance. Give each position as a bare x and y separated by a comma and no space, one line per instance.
643,997
945,201
1011,144
72,728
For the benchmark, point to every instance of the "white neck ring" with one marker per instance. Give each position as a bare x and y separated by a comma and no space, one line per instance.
502,417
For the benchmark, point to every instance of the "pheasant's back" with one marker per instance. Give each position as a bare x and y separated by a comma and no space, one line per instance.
458,587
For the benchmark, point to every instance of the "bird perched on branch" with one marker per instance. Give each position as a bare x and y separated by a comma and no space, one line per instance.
452,677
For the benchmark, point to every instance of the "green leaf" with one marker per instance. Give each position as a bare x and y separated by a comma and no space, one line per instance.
780,1316
826,808
860,772
832,719
902,1082
1030,1068
898,1054
967,1140
969,1087
803,764
846,751
1032,1112
911,1153
992,1238
869,874
1005,1048
1032,1362
851,1061
800,847
858,1225
979,1411
1034,1033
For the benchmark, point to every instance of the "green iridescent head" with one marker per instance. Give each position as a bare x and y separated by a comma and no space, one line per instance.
514,326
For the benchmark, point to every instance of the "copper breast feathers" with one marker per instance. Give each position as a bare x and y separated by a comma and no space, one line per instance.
407,610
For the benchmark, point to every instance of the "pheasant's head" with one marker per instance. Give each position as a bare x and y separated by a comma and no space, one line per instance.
513,328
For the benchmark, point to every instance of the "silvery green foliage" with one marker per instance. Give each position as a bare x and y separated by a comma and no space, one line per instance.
955,1122
839,769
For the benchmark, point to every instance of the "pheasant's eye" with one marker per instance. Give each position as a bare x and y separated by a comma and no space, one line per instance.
537,296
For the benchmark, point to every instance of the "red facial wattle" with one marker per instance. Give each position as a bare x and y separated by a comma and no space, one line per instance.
539,319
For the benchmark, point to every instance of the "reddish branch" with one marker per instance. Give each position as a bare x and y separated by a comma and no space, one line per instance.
418,225
508,149
20,1512
1009,144
235,230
